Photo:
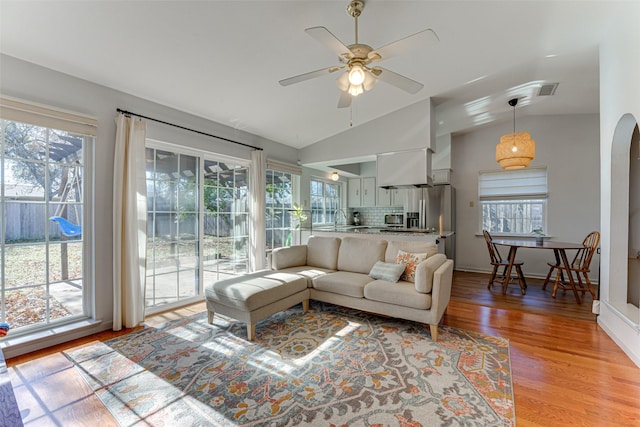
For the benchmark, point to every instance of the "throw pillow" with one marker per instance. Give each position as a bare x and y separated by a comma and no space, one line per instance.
388,271
410,262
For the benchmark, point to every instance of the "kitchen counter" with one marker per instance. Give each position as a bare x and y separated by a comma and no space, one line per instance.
365,229
384,233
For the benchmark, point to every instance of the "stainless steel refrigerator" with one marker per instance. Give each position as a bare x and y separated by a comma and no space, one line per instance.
433,209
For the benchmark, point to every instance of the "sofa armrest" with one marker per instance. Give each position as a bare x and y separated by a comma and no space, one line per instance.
441,292
425,271
291,256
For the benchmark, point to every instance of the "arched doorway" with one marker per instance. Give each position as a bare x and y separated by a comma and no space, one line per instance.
633,267
624,279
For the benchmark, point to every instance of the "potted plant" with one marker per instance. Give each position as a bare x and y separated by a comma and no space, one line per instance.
299,216
539,235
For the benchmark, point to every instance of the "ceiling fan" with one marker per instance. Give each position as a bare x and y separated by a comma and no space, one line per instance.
356,59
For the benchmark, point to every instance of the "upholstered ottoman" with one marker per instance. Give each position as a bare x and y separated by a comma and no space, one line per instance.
255,296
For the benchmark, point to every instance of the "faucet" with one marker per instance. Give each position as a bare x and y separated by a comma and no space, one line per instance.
335,216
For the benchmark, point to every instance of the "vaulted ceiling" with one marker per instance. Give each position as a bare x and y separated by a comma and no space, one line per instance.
222,60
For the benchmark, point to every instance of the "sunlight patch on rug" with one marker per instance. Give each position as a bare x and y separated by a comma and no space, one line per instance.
332,366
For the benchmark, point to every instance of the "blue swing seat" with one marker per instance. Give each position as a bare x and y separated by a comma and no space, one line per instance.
67,228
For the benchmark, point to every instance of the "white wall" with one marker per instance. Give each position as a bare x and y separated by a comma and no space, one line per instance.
568,146
619,114
36,84
441,158
404,129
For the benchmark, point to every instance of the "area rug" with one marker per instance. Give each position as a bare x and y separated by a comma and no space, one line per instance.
332,366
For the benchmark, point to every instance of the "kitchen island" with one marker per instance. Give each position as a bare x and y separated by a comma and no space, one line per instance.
386,233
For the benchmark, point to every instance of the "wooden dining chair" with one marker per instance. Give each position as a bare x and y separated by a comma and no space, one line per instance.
578,267
498,261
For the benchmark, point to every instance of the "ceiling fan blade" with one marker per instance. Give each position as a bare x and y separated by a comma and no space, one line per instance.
325,37
307,76
397,80
345,100
408,44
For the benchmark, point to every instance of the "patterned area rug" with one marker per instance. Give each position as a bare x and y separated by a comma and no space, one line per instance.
330,367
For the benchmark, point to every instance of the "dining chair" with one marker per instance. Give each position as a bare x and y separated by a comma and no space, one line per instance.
498,261
579,266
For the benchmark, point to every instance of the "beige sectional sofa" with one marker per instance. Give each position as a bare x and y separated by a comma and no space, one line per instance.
337,271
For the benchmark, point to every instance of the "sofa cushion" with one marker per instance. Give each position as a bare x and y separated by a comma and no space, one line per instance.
425,270
343,282
252,291
402,294
410,262
358,255
292,256
388,271
309,273
393,247
323,252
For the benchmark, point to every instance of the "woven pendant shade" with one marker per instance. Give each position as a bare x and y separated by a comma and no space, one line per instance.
515,150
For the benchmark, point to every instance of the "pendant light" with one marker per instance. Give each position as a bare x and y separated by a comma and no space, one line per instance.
515,150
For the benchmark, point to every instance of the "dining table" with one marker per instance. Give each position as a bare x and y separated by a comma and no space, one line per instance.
559,251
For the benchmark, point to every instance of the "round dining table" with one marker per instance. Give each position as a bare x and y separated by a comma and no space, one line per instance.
559,250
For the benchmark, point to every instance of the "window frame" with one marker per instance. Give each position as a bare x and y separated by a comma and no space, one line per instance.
534,191
331,214
85,127
294,179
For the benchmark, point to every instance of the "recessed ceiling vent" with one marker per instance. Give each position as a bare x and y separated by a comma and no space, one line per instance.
548,89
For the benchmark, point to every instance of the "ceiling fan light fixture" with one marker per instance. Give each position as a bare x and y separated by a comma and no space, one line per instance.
356,74
369,81
356,58
343,82
355,90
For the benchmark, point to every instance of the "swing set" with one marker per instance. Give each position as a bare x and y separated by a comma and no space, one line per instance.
68,228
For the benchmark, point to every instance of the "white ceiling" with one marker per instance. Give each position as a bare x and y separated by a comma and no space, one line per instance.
222,60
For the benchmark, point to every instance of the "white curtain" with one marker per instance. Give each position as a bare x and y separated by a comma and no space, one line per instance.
257,187
129,223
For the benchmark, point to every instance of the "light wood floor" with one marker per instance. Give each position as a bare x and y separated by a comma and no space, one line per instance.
566,370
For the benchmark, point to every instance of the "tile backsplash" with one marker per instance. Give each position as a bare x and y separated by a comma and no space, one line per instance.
373,216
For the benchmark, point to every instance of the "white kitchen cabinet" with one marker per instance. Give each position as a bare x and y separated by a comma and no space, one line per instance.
398,196
384,196
391,196
353,193
368,191
361,192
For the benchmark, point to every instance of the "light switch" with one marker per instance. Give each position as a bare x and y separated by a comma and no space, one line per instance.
471,204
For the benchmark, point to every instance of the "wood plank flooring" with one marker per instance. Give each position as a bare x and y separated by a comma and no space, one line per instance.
472,288
566,370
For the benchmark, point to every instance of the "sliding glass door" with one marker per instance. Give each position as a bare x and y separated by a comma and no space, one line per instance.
226,220
197,229
172,227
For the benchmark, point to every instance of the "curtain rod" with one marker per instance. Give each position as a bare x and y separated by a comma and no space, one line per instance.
129,113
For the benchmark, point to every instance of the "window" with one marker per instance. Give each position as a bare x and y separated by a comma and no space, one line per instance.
45,241
513,202
279,201
325,200
197,228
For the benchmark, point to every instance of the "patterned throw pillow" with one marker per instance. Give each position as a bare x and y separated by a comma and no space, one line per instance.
410,262
388,271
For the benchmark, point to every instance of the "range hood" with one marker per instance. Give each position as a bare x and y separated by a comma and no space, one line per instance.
404,169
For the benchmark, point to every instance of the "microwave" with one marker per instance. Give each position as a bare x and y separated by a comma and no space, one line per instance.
394,220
